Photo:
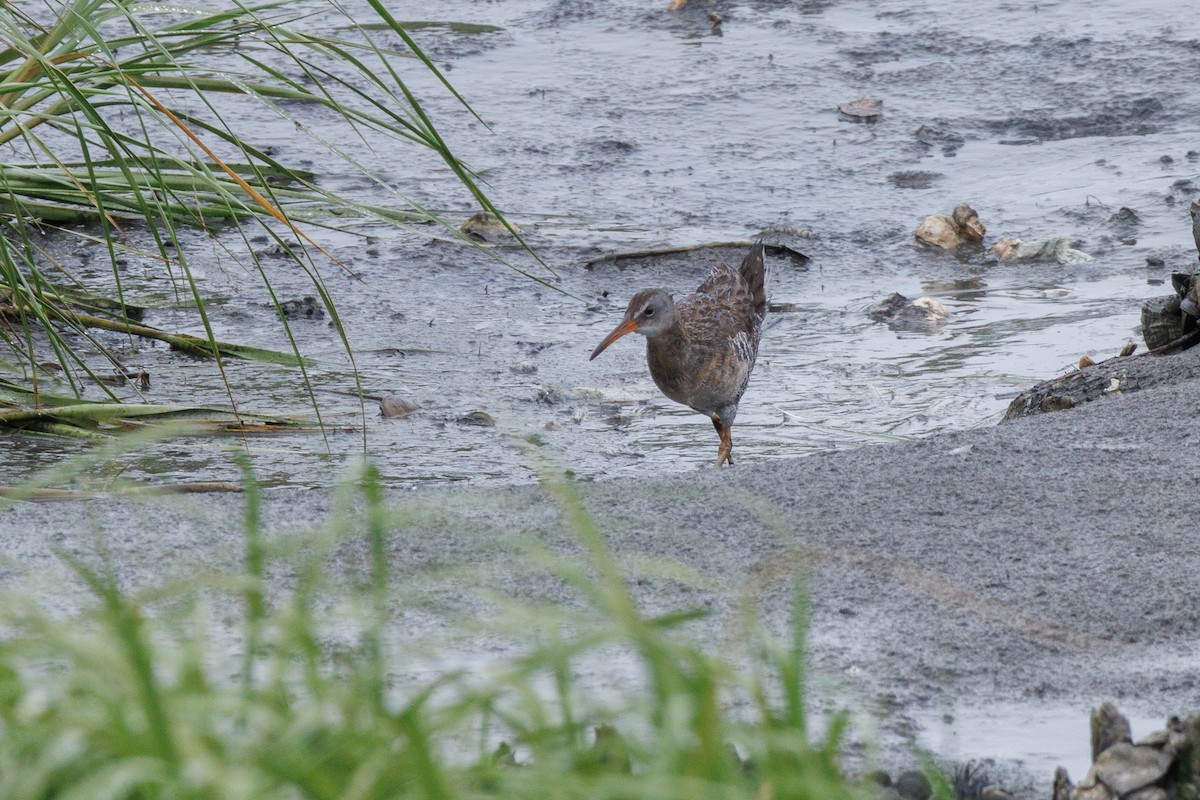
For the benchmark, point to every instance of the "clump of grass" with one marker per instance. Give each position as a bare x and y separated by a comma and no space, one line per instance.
123,116
123,701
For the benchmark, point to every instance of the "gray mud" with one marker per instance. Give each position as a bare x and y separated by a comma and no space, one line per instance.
976,592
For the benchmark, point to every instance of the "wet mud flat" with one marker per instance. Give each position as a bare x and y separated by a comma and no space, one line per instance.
616,127
974,593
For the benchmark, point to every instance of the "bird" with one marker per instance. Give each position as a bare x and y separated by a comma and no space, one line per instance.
702,348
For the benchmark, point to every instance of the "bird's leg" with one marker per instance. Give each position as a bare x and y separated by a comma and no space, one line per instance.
725,452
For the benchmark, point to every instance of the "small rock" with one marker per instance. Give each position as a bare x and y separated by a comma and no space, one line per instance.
1060,250
995,792
960,228
1155,261
1125,768
1086,361
1187,287
1057,402
1159,739
878,777
1128,349
1149,793
479,418
393,405
487,227
304,308
864,109
1162,321
549,395
1092,791
1124,217
938,230
923,314
523,368
1062,785
913,785
1195,212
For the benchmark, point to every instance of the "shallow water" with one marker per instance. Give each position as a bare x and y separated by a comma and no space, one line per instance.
615,126
1039,738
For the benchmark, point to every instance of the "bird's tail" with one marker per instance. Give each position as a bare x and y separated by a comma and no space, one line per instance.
754,272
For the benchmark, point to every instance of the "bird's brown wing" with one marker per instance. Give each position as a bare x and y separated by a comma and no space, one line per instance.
723,308
746,281
724,281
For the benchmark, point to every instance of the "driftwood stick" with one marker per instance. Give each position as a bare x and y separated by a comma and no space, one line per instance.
74,495
690,248
665,251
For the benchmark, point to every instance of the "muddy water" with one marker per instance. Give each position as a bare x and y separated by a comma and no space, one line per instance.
613,126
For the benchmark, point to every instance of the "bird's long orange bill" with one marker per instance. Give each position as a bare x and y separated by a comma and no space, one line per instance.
628,326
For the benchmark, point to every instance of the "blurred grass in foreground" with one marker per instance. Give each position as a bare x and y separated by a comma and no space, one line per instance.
145,697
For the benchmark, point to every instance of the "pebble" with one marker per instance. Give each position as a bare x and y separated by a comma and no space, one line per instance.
1125,768
523,368
864,109
962,227
921,315
487,227
1060,250
393,405
307,307
995,792
913,785
479,418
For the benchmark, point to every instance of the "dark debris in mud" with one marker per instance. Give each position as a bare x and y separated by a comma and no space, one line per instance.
1124,118
939,135
914,179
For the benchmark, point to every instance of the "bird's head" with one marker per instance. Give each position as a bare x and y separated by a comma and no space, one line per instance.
650,312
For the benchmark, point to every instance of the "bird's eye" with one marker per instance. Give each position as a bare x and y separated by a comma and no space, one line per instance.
649,312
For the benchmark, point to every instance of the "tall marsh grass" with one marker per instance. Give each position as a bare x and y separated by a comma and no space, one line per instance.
141,696
128,118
